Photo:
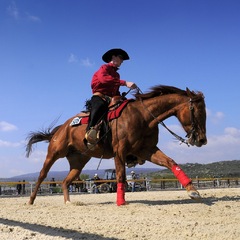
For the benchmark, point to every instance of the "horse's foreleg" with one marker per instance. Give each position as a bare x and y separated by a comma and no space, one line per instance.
159,158
121,180
186,182
76,162
72,175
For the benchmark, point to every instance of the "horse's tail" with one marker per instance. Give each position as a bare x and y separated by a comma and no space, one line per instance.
35,137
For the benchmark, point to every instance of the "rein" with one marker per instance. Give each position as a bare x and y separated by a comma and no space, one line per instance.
179,138
193,129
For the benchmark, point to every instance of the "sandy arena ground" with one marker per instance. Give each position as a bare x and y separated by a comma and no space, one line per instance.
150,215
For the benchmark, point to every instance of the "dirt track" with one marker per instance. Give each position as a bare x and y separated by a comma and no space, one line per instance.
149,216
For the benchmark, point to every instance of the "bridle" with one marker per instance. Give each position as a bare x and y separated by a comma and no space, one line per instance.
190,135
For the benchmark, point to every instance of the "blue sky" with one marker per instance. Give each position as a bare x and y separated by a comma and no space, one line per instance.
49,51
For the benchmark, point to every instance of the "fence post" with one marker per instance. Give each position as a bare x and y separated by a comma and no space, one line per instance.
31,186
228,182
197,181
218,182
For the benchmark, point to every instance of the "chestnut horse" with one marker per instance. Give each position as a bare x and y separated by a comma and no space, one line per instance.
134,136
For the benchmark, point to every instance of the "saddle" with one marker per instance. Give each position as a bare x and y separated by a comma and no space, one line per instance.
115,110
116,107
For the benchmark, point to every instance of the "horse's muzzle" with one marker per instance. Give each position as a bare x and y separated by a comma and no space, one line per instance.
198,142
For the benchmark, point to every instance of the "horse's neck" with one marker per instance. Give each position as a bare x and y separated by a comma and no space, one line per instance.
161,108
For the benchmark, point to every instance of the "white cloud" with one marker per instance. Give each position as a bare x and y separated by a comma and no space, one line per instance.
219,147
214,117
16,172
219,115
72,58
86,62
13,10
37,156
232,131
83,62
9,144
15,13
6,127
33,18
230,139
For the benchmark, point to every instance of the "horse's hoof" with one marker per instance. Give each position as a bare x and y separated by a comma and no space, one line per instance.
30,202
122,204
68,203
194,195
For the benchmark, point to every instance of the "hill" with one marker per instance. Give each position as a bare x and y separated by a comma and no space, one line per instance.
216,169
193,170
60,175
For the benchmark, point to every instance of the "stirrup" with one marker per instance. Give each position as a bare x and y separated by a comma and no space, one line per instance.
92,136
91,146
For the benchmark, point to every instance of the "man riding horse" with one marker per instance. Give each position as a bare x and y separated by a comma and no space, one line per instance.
105,85
135,131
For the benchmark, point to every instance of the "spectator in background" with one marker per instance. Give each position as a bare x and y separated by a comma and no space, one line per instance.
133,182
70,188
23,187
19,188
78,186
53,184
96,184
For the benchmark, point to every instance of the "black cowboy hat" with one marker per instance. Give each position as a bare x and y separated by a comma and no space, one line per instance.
107,57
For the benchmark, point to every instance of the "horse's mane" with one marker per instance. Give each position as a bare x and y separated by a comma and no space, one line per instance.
163,90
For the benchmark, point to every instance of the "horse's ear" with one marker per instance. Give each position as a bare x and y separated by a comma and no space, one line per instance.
189,93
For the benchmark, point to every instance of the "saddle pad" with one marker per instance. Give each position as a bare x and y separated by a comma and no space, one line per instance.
112,114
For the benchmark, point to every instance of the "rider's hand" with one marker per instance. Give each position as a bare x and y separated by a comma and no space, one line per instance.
131,85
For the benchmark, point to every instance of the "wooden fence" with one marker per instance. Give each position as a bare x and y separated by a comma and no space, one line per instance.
49,187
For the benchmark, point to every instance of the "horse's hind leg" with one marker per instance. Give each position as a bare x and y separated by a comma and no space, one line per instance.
159,158
77,162
43,174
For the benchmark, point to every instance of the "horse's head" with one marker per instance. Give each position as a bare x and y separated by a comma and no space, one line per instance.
188,106
193,118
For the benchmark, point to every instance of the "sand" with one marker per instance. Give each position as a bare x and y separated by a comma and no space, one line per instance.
149,215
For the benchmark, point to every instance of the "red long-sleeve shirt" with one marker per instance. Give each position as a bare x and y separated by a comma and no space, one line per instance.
107,80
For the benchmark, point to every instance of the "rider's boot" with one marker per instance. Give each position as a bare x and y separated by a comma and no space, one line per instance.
92,135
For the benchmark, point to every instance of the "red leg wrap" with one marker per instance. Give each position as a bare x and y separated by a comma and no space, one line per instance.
120,194
180,175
